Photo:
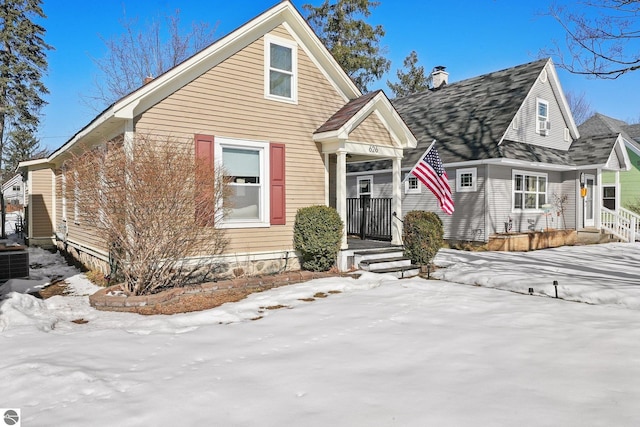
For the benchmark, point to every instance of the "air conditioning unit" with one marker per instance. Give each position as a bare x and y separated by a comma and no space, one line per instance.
544,126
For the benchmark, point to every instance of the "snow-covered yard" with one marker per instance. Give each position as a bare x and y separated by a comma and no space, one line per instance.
382,352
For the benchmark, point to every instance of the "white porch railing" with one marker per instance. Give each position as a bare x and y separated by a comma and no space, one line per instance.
622,224
626,213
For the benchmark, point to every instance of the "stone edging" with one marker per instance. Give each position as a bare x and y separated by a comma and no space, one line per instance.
113,299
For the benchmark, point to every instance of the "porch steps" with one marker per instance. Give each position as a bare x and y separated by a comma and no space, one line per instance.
386,261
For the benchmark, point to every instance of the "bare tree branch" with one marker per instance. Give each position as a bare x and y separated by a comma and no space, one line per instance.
139,53
602,38
154,206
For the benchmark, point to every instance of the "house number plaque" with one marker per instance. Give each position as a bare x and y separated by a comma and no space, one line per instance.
373,148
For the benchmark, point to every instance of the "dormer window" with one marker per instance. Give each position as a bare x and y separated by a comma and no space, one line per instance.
543,124
280,69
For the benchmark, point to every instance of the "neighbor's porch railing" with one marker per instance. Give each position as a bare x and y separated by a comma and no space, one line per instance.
626,213
621,225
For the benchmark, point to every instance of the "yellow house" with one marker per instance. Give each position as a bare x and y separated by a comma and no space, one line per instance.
269,87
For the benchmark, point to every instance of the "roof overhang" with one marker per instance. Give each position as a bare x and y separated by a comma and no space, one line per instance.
113,119
401,135
620,150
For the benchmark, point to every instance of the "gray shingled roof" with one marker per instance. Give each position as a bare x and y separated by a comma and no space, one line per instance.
467,118
592,150
599,125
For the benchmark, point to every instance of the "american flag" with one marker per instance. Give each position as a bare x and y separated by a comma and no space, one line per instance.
431,173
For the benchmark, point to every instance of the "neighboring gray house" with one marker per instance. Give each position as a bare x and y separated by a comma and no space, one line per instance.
510,147
619,189
13,191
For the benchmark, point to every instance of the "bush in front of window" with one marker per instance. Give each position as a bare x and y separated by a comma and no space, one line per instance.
422,236
317,233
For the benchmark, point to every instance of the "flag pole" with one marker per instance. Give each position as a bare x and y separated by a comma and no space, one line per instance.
419,160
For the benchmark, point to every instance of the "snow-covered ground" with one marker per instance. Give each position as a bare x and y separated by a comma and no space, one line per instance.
382,352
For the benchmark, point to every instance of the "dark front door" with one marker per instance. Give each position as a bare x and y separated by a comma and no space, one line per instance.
369,218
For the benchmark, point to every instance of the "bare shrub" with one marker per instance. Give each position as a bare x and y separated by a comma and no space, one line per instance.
154,205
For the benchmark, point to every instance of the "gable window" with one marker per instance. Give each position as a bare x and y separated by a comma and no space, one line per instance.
245,167
412,185
280,69
529,190
466,179
543,125
365,184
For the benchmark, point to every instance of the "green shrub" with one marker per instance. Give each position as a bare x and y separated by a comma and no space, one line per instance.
317,234
422,236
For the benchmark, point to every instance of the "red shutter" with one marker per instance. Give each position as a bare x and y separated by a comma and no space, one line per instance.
204,149
204,178
277,182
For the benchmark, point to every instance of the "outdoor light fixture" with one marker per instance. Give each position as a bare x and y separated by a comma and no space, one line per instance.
581,179
530,291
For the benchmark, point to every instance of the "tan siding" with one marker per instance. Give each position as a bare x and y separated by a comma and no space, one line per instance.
58,197
371,131
80,233
41,203
228,101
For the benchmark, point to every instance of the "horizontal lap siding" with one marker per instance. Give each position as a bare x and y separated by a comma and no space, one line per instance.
41,203
228,101
371,131
501,201
527,119
467,221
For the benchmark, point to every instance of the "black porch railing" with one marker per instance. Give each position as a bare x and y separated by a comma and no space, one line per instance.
369,218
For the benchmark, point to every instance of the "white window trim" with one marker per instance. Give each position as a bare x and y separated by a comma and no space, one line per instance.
474,179
513,190
362,178
408,189
546,119
268,41
263,147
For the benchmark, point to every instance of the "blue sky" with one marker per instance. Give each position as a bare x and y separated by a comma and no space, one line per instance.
469,37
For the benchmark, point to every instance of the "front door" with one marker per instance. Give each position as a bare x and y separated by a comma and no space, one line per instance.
589,201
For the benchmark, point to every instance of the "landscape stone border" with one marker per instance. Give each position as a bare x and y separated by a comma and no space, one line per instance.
113,298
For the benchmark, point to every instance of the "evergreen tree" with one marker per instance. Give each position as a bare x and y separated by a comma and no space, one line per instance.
413,80
23,62
21,145
353,43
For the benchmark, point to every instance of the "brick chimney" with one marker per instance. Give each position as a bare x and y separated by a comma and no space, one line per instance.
439,77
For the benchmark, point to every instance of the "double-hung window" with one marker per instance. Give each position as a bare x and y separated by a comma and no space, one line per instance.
245,168
280,69
543,125
529,190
